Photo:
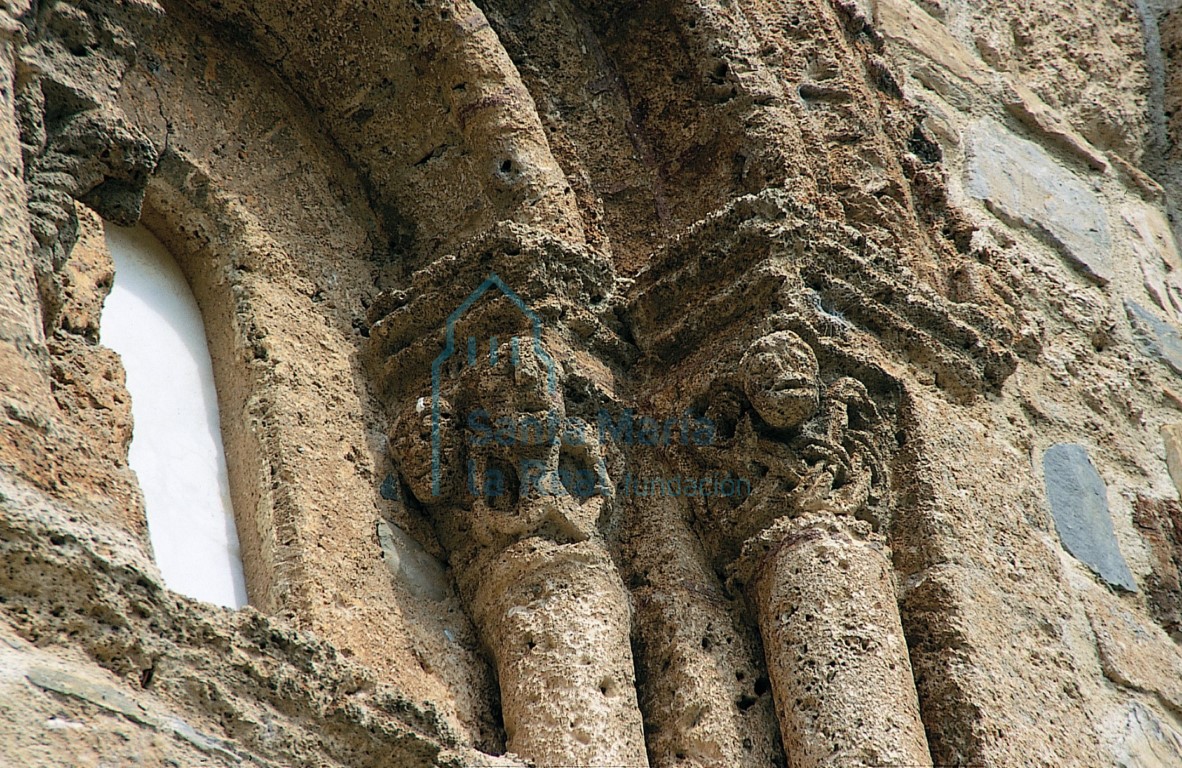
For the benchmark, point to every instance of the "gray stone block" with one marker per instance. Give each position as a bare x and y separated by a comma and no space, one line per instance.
90,690
1142,740
1024,186
1154,336
412,565
1079,504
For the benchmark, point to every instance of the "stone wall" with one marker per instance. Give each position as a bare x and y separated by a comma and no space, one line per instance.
912,263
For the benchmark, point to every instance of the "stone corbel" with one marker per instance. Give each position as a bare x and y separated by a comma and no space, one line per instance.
817,574
532,568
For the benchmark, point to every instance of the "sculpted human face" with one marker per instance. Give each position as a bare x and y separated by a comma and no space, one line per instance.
780,377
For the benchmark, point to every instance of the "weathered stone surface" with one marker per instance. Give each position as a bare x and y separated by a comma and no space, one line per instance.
1154,240
1154,336
139,667
1025,105
432,109
1166,58
1136,654
110,698
1159,521
1171,435
86,277
905,23
1022,184
88,690
828,608
1141,739
664,185
556,615
683,627
409,562
1153,244
205,743
1079,503
24,387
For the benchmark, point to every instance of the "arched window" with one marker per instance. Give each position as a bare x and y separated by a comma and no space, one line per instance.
153,322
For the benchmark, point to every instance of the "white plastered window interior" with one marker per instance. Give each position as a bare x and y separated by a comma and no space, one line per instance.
152,320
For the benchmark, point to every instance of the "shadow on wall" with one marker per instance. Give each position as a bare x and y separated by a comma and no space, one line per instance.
152,321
